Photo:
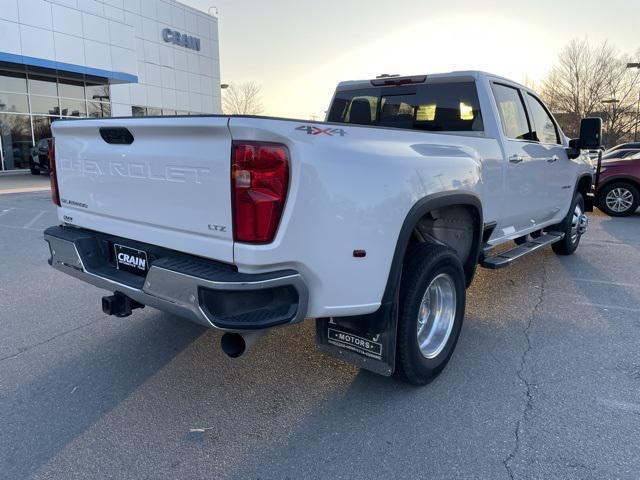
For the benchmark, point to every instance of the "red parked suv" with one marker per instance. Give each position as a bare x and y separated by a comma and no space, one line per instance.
618,191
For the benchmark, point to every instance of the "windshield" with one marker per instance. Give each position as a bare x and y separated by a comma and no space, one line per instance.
438,107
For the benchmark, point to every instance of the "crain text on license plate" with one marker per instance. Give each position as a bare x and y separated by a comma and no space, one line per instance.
130,259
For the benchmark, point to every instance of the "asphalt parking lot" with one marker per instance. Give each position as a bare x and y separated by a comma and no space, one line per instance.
545,382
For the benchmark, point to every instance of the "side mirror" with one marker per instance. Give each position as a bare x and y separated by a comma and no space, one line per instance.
590,133
574,148
590,137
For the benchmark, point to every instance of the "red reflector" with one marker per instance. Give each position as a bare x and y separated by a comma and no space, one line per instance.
55,193
259,185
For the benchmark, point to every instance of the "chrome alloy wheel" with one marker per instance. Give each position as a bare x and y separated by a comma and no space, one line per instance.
619,199
436,316
579,223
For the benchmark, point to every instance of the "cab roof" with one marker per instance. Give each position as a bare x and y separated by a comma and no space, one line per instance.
471,75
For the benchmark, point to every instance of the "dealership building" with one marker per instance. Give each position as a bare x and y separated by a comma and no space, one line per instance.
100,58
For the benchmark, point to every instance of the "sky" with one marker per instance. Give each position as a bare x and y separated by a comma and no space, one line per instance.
299,50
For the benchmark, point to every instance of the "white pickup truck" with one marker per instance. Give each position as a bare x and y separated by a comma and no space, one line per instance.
372,222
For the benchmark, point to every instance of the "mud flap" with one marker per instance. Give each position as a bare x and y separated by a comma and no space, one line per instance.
350,339
589,202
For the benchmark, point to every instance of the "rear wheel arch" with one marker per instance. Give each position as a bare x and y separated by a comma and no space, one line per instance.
382,319
583,185
421,210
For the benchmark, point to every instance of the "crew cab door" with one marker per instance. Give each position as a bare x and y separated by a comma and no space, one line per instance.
525,204
558,172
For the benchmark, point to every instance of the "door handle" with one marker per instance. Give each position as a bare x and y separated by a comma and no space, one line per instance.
516,159
553,159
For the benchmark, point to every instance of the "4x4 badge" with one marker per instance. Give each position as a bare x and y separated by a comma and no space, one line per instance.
312,130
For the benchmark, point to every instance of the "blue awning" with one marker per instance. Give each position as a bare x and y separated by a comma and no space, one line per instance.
114,77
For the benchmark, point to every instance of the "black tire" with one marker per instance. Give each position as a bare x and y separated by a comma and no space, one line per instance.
625,187
569,243
423,264
34,170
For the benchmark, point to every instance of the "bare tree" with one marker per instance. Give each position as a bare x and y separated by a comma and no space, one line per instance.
242,99
593,81
529,82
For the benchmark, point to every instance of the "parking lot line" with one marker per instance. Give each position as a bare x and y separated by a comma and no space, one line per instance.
5,211
32,222
608,307
618,405
605,282
13,227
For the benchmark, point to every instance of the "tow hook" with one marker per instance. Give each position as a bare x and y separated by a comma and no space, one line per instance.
119,305
583,224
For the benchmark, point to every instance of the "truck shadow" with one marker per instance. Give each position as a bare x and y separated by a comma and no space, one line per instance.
40,418
369,424
623,229
282,403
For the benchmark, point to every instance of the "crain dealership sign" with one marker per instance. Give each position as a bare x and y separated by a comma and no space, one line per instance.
171,36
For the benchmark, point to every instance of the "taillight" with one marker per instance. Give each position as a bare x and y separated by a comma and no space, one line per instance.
259,184
55,193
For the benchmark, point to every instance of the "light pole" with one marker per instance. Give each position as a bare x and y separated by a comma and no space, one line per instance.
635,133
612,102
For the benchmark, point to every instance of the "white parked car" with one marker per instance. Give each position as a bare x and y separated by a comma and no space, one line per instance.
372,222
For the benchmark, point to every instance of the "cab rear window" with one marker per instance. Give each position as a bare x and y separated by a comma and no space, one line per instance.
437,107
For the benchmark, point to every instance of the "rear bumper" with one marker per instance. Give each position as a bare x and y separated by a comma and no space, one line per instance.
203,291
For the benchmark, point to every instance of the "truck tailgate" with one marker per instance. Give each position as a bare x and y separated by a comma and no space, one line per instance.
170,186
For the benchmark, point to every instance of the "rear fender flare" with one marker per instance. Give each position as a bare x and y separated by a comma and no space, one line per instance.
421,208
385,317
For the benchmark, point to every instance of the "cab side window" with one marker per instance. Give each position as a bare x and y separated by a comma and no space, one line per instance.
358,107
513,114
545,130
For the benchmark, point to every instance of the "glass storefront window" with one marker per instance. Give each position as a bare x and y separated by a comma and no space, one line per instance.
42,127
71,89
72,108
99,109
15,133
45,105
99,93
43,86
137,111
13,82
14,102
34,100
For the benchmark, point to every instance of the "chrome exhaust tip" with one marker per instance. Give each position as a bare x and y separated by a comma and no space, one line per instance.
237,344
